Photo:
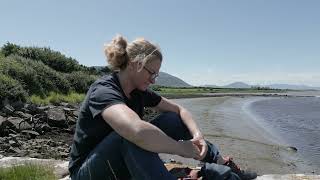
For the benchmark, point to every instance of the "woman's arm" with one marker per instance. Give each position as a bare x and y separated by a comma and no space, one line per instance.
167,105
145,135
198,139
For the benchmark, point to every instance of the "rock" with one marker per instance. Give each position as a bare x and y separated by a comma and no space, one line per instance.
291,148
8,109
30,133
76,113
2,119
14,150
2,126
19,124
64,104
30,108
23,115
35,155
18,105
42,109
56,117
45,127
13,143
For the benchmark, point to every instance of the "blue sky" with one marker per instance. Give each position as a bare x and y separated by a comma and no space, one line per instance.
203,42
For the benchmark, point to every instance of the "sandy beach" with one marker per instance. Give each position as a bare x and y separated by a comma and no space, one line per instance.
228,123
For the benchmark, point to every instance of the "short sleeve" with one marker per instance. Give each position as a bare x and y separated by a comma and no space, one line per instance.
151,98
102,97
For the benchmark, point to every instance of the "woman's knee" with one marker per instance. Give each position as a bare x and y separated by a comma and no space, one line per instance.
172,124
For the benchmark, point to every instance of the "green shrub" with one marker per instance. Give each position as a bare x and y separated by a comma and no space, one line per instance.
80,81
37,77
53,59
27,172
11,89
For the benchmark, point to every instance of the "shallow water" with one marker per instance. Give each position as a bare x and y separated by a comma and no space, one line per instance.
239,128
296,120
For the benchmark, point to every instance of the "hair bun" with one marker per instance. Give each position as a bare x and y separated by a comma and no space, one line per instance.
116,53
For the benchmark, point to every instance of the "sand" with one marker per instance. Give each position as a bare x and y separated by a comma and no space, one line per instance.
228,123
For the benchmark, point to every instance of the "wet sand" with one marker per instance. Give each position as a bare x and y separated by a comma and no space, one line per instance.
228,123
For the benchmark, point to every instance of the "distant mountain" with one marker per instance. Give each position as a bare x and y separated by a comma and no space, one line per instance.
272,86
237,85
211,86
290,86
166,79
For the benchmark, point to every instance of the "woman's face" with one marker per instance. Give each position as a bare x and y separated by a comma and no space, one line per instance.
148,74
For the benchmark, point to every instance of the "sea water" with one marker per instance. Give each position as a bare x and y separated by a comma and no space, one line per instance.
296,120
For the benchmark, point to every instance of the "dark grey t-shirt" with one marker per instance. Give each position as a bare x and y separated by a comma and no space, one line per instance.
90,127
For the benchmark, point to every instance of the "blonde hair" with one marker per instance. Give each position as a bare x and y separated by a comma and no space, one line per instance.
119,52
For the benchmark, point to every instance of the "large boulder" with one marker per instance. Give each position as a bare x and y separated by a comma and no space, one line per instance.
56,117
19,124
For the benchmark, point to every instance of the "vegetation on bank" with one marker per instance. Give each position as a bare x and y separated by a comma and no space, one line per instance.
41,73
171,91
28,171
56,98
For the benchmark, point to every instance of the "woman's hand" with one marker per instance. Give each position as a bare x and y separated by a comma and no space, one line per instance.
199,141
188,149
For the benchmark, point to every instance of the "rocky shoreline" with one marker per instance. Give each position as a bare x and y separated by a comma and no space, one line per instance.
44,132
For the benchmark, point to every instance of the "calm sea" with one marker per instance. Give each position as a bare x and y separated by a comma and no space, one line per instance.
296,120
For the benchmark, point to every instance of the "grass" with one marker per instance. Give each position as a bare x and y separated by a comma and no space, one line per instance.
172,92
27,172
216,90
55,98
169,92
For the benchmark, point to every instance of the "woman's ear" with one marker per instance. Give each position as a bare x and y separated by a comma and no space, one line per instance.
139,65
131,65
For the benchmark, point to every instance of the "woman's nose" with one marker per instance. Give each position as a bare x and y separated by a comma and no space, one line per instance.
152,81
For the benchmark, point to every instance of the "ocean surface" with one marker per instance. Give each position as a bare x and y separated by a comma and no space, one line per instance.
296,121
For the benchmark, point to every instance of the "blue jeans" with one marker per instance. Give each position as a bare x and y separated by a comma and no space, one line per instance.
116,158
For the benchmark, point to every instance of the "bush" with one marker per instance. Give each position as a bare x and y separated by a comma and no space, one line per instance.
80,81
38,78
11,89
53,59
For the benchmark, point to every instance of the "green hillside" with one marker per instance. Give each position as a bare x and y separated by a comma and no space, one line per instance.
27,71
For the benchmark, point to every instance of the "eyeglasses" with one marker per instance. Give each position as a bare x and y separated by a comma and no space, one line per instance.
153,75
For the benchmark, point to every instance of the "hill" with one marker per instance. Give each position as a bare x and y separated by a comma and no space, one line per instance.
271,86
168,80
237,85
291,86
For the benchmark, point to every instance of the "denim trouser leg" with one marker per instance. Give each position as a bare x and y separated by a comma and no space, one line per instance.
171,124
116,158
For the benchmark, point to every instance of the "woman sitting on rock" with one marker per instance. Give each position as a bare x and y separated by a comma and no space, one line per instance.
112,141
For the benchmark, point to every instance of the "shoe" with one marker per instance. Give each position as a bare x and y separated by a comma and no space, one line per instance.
182,172
244,175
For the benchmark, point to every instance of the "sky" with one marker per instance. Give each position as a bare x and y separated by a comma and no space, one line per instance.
258,42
